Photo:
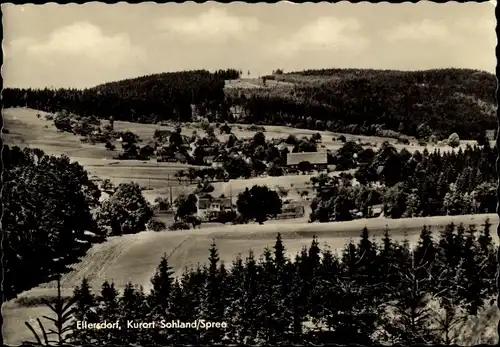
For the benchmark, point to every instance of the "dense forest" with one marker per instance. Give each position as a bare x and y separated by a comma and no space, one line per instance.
370,292
370,102
144,99
408,185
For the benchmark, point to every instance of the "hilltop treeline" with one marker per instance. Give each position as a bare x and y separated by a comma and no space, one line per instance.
371,292
368,102
147,99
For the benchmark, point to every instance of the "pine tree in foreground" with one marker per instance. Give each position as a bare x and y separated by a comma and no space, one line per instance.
84,310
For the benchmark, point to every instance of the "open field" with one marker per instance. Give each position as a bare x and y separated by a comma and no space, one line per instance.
135,257
253,83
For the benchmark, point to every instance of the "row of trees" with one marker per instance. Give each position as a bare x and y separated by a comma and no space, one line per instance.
47,220
52,214
366,102
372,292
408,185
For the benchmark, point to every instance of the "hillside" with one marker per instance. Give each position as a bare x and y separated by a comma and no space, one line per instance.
373,101
367,102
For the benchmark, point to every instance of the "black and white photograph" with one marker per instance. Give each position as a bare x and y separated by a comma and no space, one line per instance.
262,174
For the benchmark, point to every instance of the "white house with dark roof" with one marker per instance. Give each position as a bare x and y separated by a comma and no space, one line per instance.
210,205
317,159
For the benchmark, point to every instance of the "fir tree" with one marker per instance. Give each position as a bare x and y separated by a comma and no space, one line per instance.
160,299
249,328
109,310
269,315
132,308
410,315
84,310
279,254
212,303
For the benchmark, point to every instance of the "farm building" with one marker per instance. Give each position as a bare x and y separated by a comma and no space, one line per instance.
491,134
319,160
291,210
216,161
209,159
209,205
172,158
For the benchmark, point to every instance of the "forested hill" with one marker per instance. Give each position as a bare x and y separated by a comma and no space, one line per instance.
369,102
145,99
415,103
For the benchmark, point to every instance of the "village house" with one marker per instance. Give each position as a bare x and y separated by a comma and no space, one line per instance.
490,135
319,160
218,161
291,210
208,206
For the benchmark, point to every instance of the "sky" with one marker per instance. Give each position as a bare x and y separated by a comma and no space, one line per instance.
84,45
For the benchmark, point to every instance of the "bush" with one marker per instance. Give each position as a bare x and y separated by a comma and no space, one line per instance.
110,146
178,226
454,140
291,140
156,225
5,131
226,217
126,211
240,219
403,141
256,128
342,138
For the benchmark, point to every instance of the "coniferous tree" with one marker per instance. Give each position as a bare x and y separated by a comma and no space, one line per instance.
325,295
160,299
108,310
235,297
85,310
213,303
249,328
133,309
269,315
411,315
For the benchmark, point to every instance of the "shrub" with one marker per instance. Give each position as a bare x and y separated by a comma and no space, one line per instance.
178,226
5,131
342,138
156,225
226,217
454,140
403,141
126,211
110,146
240,219
256,128
162,204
